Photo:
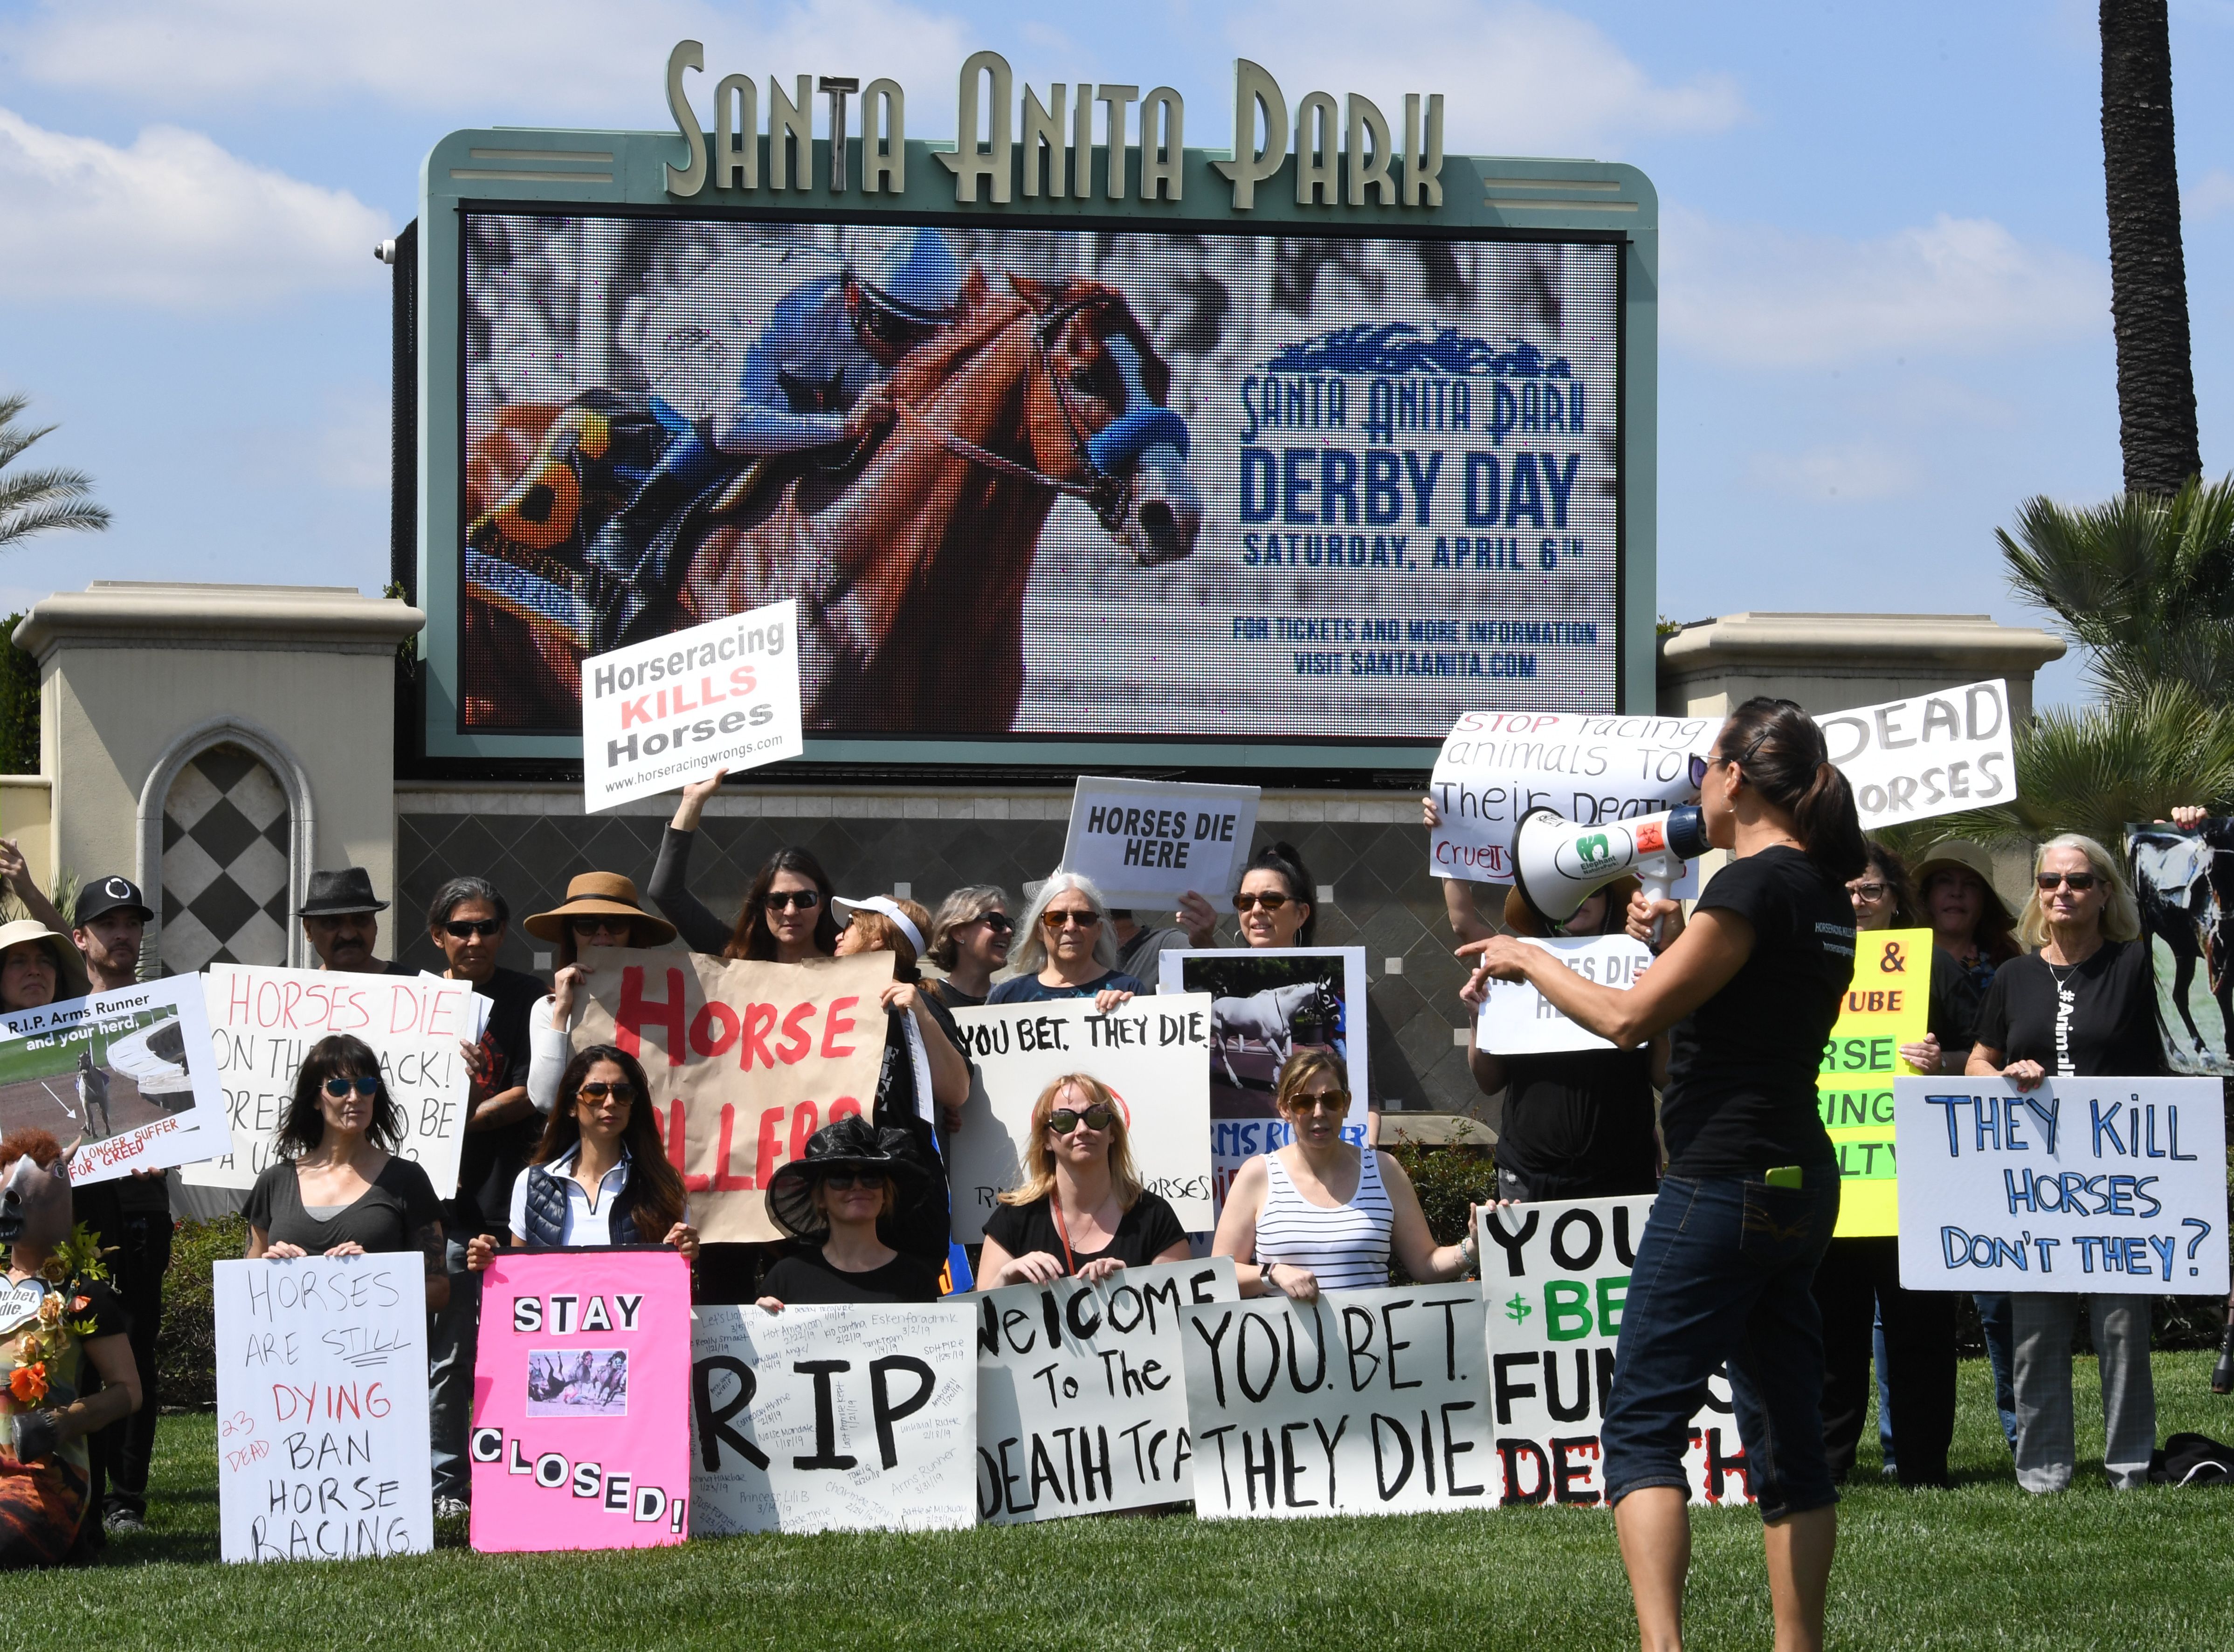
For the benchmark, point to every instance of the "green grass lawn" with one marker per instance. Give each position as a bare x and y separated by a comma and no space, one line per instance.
1981,1565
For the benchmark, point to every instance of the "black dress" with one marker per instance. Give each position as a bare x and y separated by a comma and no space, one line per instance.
1144,1232
805,1278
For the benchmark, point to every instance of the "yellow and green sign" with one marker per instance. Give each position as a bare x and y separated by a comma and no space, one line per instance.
1886,1006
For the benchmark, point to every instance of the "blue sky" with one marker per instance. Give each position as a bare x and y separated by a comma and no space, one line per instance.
1885,286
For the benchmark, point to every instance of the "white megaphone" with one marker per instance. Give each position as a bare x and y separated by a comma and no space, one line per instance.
1557,865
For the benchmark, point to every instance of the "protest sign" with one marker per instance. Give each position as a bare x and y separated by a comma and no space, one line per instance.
658,714
1887,1004
1081,1392
581,1435
1360,1402
2091,1184
1152,1053
264,1022
321,1407
853,1418
1933,754
1554,1279
1496,765
746,1062
1145,843
127,1071
2184,883
1517,1020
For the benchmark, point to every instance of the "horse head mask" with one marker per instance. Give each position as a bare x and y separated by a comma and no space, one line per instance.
35,1198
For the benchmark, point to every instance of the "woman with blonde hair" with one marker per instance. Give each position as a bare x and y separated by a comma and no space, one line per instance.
1320,1214
2083,1003
1067,948
1081,1209
970,939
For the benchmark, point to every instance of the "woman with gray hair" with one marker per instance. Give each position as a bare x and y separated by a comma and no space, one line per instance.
1067,950
2082,1004
969,940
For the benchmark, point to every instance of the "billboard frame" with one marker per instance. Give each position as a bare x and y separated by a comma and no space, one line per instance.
553,172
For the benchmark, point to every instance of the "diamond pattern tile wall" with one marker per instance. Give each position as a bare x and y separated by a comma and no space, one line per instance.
225,880
1384,897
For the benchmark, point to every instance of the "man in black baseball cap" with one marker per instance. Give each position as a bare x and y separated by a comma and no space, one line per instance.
108,922
341,919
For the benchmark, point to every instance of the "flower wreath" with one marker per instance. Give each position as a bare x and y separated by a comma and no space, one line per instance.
75,1263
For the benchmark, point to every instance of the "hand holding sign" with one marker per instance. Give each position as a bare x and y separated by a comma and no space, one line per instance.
1145,843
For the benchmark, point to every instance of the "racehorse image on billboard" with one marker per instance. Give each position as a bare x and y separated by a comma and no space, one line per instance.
908,543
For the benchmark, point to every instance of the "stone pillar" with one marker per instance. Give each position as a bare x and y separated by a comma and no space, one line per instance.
1830,661
217,743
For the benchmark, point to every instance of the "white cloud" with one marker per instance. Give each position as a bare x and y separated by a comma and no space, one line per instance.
1760,297
1518,78
1848,472
173,221
551,62
2209,195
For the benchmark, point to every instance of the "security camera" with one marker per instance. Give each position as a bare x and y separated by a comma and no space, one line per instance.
385,251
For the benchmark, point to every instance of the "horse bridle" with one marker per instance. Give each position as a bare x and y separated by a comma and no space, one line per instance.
1110,494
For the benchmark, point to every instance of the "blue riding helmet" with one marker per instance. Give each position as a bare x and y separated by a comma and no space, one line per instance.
916,276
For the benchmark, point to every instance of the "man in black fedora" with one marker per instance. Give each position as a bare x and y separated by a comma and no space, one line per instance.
341,919
110,923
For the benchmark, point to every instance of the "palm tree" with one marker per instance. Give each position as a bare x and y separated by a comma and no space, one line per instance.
2148,277
33,501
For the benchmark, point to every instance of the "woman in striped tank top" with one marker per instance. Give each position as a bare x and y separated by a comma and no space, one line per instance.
1321,1214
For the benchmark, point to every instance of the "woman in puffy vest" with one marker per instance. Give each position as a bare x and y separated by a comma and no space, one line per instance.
599,1176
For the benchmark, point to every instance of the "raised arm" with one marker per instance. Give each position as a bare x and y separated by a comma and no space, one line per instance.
669,891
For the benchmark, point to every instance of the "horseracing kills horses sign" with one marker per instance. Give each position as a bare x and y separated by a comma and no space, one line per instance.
1290,450
662,714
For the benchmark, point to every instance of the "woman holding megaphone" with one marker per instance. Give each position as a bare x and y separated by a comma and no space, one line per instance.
1750,989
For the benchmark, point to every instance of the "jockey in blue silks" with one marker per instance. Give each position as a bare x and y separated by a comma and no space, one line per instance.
814,379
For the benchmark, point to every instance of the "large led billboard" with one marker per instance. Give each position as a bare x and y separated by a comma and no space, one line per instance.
1065,483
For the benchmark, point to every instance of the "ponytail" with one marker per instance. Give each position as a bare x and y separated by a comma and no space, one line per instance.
1783,757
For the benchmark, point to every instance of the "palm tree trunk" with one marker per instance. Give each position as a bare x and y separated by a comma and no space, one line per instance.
2148,277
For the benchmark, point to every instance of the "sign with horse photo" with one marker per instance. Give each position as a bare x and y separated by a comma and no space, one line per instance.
1033,480
2184,883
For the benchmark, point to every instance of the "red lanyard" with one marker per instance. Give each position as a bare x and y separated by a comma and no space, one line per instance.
1055,1209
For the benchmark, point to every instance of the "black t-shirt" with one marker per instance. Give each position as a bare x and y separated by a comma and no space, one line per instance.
1144,1232
489,1161
1580,1119
950,997
2112,1032
399,1212
1741,1096
1958,993
805,1278
1030,990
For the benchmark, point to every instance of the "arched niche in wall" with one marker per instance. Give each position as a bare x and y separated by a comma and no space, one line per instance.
225,837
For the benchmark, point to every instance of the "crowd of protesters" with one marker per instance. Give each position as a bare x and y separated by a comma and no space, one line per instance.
560,1145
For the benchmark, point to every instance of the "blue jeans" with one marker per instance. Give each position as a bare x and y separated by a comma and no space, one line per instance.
1998,1320
1725,1272
453,1340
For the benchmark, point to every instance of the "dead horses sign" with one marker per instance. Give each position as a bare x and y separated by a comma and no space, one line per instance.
1081,1392
1361,1402
1555,1280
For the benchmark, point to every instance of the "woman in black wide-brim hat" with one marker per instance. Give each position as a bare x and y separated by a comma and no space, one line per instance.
853,1179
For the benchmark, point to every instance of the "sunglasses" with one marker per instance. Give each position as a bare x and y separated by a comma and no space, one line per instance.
1269,903
1069,919
1867,892
844,1180
999,922
1699,767
466,930
1063,1121
339,1088
595,925
1324,1101
2080,882
594,1093
802,900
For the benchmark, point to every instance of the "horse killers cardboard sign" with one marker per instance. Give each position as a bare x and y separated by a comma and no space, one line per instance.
581,1430
746,1060
1081,1392
1361,1402
1554,1278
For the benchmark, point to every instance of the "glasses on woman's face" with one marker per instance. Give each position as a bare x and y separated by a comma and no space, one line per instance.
845,1181
784,900
589,928
2080,882
1869,893
1063,1121
998,922
1699,767
1271,900
364,1085
1322,1102
1070,919
595,1094
463,928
